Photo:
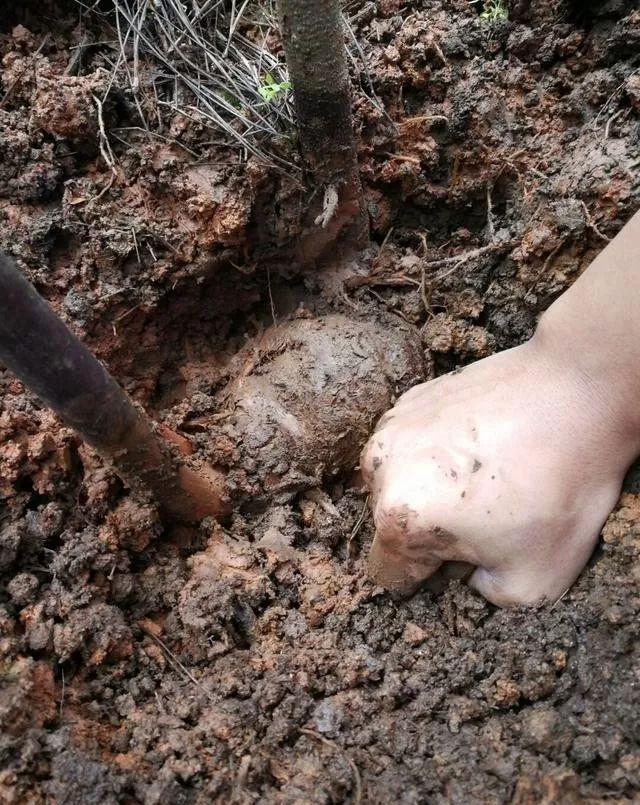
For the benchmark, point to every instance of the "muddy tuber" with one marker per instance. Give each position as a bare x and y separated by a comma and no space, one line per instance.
309,394
38,347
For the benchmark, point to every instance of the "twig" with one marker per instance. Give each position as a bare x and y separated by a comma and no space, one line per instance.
610,122
424,293
411,121
426,301
455,261
105,149
365,68
380,280
383,246
356,529
18,78
122,59
560,599
127,312
271,304
545,268
175,661
592,224
383,301
135,243
169,140
616,92
357,797
233,26
62,692
459,260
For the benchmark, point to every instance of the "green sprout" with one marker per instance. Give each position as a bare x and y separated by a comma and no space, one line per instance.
271,88
494,11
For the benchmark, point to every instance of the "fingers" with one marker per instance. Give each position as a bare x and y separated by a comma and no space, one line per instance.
372,457
506,589
408,548
449,571
528,584
390,567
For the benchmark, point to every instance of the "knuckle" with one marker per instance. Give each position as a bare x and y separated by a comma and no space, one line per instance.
372,457
384,421
404,531
411,395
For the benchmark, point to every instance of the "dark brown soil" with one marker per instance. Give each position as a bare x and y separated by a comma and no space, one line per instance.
254,662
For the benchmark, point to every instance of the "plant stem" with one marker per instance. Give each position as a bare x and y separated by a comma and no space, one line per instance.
313,37
39,348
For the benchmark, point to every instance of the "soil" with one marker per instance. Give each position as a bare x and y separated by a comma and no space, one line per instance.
253,661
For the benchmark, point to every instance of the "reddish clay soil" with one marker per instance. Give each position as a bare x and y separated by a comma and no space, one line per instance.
252,661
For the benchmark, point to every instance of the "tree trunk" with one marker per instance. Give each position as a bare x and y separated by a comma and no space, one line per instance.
313,37
39,348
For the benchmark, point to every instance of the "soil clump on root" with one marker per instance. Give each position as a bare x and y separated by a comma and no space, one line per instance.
253,661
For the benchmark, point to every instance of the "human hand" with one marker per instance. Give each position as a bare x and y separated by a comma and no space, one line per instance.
504,472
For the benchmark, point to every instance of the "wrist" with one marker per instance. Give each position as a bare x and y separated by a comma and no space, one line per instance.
606,379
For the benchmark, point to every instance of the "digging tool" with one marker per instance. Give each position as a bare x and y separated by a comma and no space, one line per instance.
38,347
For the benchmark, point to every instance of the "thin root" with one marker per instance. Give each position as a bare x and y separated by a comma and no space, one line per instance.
357,779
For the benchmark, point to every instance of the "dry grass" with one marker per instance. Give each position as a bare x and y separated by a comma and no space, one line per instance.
208,60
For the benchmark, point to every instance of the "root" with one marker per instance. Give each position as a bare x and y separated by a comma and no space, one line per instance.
357,779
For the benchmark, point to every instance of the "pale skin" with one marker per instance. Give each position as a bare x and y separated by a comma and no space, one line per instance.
505,473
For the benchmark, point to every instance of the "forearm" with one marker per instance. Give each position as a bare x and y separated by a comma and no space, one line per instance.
595,325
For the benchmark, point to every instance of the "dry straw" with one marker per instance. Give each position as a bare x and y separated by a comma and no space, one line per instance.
213,62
